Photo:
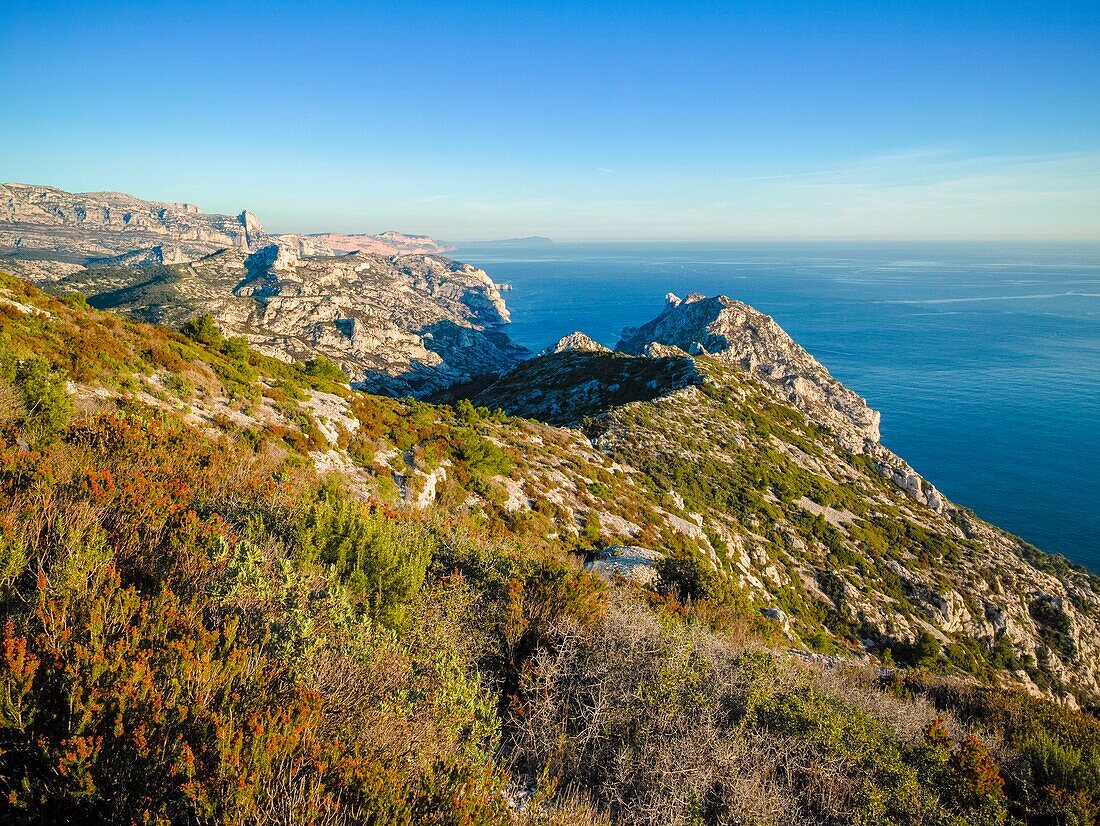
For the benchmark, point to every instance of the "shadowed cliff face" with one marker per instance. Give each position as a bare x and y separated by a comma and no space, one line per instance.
573,385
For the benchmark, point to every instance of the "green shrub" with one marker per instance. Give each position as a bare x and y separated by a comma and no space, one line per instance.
203,329
382,560
322,368
236,348
687,578
46,402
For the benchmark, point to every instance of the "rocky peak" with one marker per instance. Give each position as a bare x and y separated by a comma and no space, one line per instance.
735,333
253,229
575,341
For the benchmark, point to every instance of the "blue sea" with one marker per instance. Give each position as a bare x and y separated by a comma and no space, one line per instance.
983,358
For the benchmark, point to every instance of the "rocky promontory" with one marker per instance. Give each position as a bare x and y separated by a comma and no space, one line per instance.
735,333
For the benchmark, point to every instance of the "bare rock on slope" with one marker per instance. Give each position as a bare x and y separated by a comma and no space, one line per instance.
575,341
407,324
627,561
735,333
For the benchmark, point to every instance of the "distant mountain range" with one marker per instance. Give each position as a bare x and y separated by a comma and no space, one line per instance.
526,242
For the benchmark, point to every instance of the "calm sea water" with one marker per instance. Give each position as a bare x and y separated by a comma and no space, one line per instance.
984,359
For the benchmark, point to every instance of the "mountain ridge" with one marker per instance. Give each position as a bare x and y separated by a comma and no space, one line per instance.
387,308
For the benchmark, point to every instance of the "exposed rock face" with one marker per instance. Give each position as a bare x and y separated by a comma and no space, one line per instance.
627,561
735,333
409,324
396,319
575,341
152,257
386,243
105,224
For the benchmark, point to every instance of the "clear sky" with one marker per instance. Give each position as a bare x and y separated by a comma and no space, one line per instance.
581,121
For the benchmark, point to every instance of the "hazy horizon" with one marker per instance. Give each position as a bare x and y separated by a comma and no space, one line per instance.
669,122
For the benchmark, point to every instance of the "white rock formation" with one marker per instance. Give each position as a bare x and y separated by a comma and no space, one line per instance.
627,561
734,333
408,324
575,341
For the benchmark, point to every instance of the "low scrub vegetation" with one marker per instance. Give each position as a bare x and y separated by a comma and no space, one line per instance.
195,627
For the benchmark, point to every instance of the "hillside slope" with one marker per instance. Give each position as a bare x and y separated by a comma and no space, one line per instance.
233,589
823,539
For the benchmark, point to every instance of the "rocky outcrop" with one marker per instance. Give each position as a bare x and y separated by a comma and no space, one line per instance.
576,384
575,341
408,324
627,561
735,333
144,258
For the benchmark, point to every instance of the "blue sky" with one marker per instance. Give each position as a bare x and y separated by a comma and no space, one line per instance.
684,121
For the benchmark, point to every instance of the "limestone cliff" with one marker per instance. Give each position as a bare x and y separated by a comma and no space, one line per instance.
752,474
47,220
735,333
396,318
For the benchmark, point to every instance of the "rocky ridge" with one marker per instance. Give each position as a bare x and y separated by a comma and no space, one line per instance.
759,449
396,316
735,333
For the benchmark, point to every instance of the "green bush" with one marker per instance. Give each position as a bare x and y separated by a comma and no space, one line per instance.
382,560
322,368
203,329
46,403
236,348
687,578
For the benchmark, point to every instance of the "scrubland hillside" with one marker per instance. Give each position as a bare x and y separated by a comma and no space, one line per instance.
236,591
